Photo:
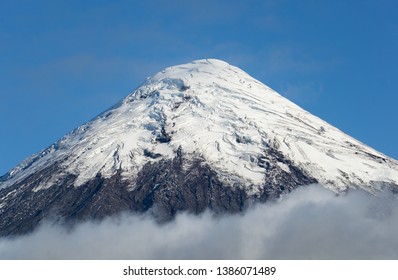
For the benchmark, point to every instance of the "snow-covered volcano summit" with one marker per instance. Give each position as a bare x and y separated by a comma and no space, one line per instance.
193,136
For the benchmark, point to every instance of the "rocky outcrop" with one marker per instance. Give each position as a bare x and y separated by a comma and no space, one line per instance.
162,189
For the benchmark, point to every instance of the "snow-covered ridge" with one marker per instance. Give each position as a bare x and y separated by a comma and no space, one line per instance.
217,111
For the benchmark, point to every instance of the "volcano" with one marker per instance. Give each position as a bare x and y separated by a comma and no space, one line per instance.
197,136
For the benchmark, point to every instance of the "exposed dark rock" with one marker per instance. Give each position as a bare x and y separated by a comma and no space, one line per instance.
162,188
278,180
242,139
184,88
150,154
164,137
166,188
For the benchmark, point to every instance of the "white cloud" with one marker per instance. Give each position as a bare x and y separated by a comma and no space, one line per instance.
309,223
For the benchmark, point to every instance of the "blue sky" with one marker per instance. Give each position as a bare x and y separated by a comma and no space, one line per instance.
63,62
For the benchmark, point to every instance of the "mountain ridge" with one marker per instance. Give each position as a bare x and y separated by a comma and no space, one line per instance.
191,137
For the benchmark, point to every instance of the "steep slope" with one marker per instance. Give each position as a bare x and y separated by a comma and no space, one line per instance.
194,136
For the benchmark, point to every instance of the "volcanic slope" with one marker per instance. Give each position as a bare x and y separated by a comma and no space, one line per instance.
197,136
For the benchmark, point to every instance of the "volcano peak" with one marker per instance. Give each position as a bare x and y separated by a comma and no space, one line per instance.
194,136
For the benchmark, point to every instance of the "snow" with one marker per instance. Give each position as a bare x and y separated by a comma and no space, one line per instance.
216,111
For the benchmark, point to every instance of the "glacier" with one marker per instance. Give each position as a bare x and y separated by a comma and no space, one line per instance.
204,130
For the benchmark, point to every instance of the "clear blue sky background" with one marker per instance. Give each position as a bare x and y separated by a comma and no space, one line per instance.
63,62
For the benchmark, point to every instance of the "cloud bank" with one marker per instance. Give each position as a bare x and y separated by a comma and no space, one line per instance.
309,223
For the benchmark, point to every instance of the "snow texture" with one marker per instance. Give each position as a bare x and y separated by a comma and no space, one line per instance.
214,110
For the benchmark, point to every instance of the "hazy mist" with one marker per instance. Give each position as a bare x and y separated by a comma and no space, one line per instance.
309,223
